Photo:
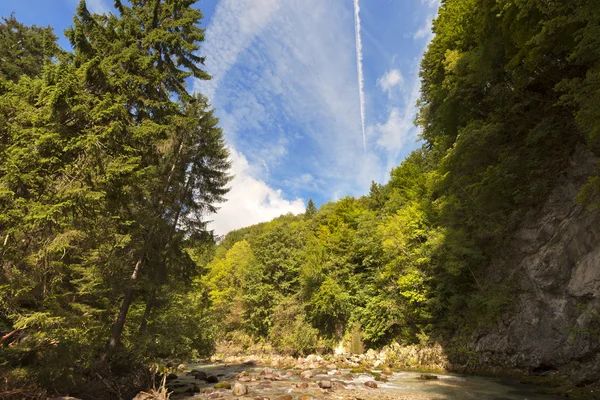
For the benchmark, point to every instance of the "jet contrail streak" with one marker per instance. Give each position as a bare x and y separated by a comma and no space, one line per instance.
359,67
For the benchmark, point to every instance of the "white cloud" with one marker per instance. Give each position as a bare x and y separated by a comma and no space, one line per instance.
250,200
390,80
97,6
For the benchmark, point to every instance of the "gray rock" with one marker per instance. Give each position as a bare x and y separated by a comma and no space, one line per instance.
554,258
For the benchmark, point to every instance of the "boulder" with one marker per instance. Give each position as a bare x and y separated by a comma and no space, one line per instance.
239,389
211,379
371,384
325,384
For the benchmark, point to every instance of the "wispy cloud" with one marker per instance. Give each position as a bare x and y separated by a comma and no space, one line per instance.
233,27
359,68
391,79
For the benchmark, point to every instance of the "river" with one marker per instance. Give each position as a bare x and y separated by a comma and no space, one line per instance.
400,385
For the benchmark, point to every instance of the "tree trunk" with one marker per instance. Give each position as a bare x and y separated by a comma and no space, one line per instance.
115,336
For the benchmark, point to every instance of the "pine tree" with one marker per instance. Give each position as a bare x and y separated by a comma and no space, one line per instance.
152,45
108,168
311,209
24,49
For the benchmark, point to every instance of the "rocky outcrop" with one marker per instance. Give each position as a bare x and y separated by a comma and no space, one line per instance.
554,260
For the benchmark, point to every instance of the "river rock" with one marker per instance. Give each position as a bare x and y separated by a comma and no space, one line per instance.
250,363
72,398
193,389
211,379
306,374
325,384
371,384
272,377
171,376
239,389
223,385
245,379
386,371
266,371
139,396
301,385
307,398
285,397
200,375
427,377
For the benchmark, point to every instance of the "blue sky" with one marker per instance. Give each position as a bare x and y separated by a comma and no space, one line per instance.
286,89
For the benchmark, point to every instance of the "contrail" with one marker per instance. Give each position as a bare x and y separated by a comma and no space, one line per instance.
359,67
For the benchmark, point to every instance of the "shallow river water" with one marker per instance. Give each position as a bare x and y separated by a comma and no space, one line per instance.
400,385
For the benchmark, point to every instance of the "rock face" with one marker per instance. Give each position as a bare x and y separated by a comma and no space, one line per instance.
554,257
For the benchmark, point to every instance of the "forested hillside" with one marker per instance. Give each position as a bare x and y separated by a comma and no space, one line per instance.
510,89
109,166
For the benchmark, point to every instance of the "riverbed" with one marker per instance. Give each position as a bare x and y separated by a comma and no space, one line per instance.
265,383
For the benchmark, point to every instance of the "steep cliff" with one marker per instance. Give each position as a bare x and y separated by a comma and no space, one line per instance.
554,258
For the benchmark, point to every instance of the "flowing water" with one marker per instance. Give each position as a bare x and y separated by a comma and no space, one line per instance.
400,385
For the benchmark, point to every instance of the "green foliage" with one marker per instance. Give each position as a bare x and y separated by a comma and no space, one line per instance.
108,167
291,333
